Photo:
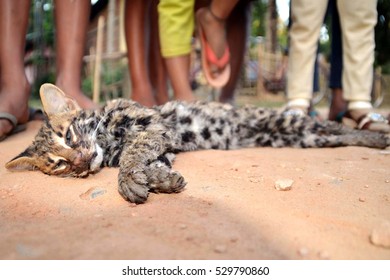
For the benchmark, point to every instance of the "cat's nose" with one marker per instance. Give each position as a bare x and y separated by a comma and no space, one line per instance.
78,159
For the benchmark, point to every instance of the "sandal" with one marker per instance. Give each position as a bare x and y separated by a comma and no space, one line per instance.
294,112
209,58
34,114
16,128
370,121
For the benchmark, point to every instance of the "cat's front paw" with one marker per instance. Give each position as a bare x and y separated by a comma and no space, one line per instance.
133,187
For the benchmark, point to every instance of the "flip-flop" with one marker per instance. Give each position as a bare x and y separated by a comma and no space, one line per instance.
371,121
16,128
34,114
209,58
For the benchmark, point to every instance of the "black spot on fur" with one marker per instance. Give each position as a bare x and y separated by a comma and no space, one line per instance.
279,122
119,132
92,125
144,121
82,115
188,136
168,114
115,159
164,160
267,143
227,143
195,111
125,122
259,141
205,133
219,131
186,120
293,121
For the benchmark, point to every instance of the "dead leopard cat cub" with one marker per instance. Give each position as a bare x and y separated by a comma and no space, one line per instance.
142,141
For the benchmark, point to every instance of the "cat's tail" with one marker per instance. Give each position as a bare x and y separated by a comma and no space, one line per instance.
341,135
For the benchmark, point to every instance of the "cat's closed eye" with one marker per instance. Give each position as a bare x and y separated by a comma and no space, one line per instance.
61,164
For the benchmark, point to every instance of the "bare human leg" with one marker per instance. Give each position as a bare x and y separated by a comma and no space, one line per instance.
158,72
338,106
237,31
135,30
175,28
14,86
179,68
71,22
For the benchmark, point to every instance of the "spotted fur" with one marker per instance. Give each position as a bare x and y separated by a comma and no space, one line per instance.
142,141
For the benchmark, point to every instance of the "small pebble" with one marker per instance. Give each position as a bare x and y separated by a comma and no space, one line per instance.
220,249
362,199
182,226
303,252
380,236
93,193
284,184
234,239
387,181
190,238
324,255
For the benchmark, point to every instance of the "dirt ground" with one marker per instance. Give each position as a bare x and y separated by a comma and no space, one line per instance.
230,208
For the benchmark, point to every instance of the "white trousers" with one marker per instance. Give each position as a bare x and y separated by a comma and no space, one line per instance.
357,19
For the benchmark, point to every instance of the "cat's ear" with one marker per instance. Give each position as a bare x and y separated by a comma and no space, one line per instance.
55,101
22,162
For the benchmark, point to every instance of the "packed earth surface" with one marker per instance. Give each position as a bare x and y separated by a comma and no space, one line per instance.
260,203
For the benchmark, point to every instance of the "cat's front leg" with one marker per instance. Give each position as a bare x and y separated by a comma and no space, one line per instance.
143,168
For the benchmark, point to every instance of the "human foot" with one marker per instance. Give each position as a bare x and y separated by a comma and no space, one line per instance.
143,96
214,30
215,51
14,101
368,120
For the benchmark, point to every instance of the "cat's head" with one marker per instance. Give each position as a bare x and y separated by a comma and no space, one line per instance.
65,145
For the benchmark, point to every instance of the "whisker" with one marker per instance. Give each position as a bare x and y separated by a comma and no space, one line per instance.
98,125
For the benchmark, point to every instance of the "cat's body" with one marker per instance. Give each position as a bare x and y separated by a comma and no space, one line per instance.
140,141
